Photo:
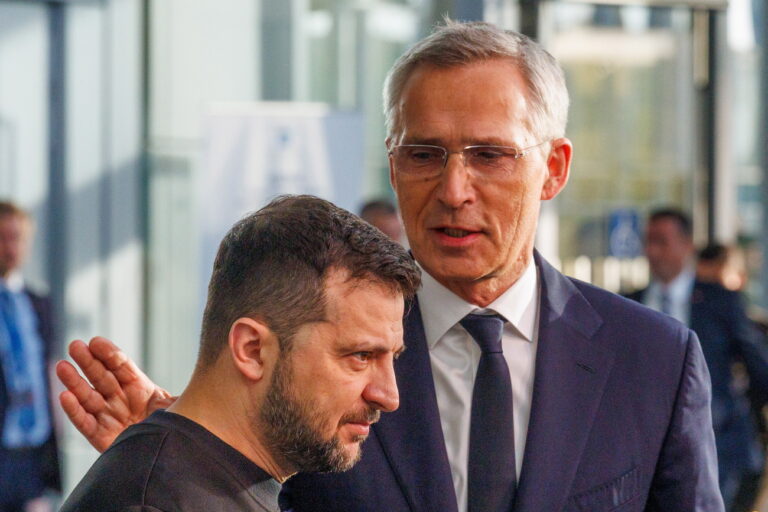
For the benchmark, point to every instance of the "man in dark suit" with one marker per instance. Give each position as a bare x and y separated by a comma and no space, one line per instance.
718,317
521,389
28,455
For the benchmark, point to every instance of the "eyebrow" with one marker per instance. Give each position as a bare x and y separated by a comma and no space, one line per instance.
485,141
370,346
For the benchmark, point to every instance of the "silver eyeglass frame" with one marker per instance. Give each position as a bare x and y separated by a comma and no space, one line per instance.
513,152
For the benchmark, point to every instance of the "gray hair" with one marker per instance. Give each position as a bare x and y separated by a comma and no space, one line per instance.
457,43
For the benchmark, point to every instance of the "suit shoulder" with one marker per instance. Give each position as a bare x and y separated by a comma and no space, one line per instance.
603,299
631,319
714,293
636,295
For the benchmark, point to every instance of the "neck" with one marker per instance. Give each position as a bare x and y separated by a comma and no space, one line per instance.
669,280
231,419
482,292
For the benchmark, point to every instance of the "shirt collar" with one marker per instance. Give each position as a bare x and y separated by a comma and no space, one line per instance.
14,283
679,289
441,309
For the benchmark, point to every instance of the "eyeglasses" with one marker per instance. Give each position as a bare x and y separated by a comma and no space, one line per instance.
425,160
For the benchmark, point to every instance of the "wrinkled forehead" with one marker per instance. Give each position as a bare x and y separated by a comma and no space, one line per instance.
482,89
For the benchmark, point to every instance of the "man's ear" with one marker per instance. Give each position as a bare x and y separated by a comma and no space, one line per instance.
558,167
253,346
388,142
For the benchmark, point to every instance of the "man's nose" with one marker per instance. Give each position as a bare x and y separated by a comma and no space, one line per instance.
382,391
455,186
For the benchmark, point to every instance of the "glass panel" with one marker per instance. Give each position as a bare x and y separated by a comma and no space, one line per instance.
745,31
632,122
24,117
206,52
350,51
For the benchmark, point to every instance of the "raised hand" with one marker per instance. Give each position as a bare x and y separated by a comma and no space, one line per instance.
121,394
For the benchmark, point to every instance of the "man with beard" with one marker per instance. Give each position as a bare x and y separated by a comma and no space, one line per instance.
301,327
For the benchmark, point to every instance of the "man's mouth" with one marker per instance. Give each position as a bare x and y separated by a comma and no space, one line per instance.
366,418
456,232
458,236
360,425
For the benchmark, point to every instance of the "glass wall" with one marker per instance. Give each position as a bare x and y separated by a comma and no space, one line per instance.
746,32
70,152
632,119
206,54
24,116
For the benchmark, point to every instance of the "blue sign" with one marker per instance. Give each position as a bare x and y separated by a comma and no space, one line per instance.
624,238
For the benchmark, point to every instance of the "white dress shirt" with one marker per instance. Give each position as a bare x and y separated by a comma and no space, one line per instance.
678,290
14,283
455,355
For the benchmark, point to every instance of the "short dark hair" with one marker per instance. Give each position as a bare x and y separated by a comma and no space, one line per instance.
682,219
377,207
9,208
713,252
273,263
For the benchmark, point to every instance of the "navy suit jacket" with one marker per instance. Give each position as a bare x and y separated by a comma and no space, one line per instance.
620,420
47,454
727,335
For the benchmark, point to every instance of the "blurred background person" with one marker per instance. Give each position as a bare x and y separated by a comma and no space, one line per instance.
727,336
382,213
28,454
718,263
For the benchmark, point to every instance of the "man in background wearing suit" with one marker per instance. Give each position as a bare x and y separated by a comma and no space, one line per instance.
521,389
718,317
28,455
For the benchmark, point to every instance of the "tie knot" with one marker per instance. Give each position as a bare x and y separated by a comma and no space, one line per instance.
486,330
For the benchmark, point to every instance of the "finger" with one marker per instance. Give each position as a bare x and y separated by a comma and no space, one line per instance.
94,370
115,360
87,398
83,422
67,374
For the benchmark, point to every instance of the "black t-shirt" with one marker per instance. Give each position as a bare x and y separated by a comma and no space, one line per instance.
170,463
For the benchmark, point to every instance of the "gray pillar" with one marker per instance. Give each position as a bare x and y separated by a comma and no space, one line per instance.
761,35
461,10
277,35
57,143
468,10
529,18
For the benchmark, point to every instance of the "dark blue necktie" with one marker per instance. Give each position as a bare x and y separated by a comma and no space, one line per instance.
20,389
492,479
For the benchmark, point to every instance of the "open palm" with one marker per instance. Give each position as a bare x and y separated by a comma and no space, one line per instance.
115,395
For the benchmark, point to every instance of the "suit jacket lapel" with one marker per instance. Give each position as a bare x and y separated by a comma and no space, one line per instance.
412,436
571,371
